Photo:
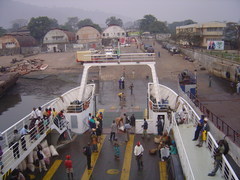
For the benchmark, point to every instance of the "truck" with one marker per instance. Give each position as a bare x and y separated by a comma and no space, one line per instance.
86,56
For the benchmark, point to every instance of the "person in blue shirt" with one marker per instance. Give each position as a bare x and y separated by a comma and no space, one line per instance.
199,127
24,131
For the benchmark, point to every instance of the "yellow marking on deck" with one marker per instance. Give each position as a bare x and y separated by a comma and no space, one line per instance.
113,171
52,170
163,170
127,159
145,113
112,107
87,173
7,174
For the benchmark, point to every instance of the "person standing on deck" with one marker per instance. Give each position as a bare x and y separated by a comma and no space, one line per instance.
132,120
122,82
41,157
68,166
116,149
131,88
127,128
113,131
217,158
15,144
138,152
203,132
100,119
24,131
54,113
160,126
145,128
199,127
88,152
209,81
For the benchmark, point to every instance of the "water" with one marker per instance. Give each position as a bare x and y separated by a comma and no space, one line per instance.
33,92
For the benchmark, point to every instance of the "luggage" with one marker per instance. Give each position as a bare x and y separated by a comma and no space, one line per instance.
153,151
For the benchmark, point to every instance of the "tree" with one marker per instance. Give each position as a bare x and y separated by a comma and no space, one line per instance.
191,38
151,24
2,31
85,22
40,26
158,27
18,23
88,22
114,21
71,24
146,22
232,35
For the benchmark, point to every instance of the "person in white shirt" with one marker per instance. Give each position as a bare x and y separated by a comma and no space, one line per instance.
138,152
39,113
33,114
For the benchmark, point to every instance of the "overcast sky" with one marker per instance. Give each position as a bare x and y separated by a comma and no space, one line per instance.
164,10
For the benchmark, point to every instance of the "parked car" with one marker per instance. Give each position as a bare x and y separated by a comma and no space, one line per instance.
150,50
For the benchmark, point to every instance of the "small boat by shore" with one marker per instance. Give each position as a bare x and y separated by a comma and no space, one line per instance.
43,67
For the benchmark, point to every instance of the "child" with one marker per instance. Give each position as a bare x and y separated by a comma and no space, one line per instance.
116,150
68,166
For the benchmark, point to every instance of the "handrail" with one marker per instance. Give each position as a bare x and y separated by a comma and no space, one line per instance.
182,152
218,122
230,174
226,168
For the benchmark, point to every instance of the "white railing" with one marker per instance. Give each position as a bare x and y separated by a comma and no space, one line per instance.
18,150
14,153
182,152
226,168
8,133
125,57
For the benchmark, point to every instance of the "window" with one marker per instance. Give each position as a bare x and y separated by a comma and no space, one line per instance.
212,29
57,37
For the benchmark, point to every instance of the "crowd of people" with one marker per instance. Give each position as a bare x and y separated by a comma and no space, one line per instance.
39,121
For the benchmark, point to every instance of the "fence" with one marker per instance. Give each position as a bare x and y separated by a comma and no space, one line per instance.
219,123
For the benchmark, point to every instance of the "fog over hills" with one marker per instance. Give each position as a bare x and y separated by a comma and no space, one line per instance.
12,10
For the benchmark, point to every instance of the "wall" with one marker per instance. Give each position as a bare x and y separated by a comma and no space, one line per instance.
211,63
30,50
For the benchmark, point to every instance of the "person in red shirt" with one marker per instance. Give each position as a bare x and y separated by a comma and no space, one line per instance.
68,166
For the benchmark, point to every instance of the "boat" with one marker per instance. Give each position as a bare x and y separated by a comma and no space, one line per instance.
161,102
43,67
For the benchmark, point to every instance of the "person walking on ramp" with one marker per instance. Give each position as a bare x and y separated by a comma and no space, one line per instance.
138,152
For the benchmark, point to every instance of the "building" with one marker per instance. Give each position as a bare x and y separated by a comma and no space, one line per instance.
112,34
89,37
211,31
58,40
17,43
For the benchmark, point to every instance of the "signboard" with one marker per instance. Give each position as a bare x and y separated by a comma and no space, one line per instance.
215,45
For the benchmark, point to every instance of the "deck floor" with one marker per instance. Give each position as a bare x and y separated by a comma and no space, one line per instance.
199,157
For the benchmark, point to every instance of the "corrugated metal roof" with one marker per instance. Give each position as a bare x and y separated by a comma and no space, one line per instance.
24,40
